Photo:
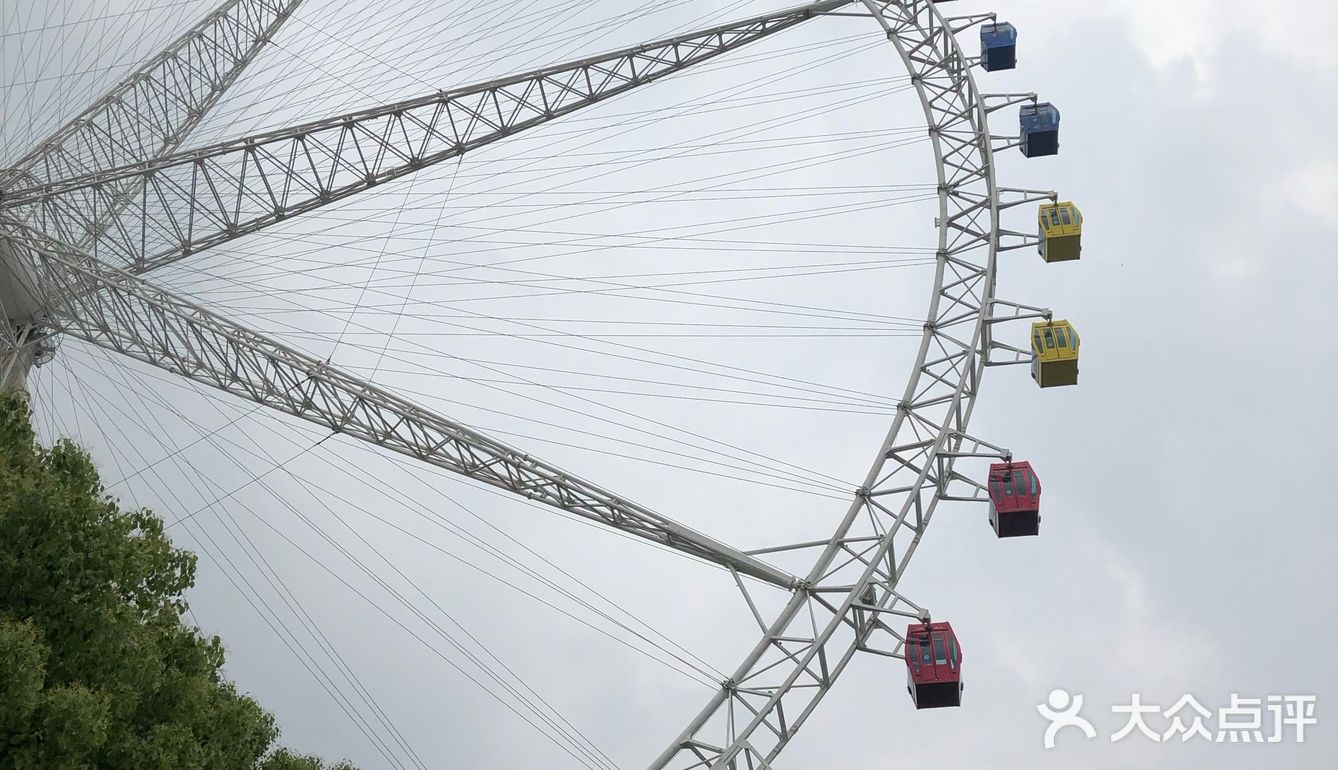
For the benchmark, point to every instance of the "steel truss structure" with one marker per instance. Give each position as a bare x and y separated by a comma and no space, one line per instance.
150,113
191,201
108,198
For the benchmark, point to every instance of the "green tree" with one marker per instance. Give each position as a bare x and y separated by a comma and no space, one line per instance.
97,669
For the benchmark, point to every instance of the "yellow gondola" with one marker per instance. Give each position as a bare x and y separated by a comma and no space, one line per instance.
1054,347
1060,232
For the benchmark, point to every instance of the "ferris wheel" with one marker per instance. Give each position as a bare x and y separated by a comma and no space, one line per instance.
88,215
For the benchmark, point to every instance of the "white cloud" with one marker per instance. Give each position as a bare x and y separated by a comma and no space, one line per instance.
1313,188
1206,33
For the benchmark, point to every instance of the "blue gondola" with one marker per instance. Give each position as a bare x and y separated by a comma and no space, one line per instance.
1040,129
998,46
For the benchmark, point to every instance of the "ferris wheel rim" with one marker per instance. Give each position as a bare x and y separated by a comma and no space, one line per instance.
977,359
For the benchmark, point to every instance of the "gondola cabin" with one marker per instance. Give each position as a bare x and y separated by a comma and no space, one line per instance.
1054,348
1040,129
1060,232
933,666
998,46
1015,500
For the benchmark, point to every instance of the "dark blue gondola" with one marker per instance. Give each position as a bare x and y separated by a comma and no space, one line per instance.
998,46
1040,129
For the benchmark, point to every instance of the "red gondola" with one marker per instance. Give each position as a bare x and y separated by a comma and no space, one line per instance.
1015,500
933,666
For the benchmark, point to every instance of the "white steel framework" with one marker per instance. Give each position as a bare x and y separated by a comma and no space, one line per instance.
108,198
190,201
151,112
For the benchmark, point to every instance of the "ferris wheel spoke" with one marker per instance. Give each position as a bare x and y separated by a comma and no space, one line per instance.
148,114
188,202
118,311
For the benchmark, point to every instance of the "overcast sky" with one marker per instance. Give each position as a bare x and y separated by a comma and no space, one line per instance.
1187,542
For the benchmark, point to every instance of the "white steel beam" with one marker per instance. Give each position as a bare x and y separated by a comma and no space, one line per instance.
149,114
121,312
187,202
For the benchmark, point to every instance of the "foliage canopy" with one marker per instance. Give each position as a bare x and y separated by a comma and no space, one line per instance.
97,669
